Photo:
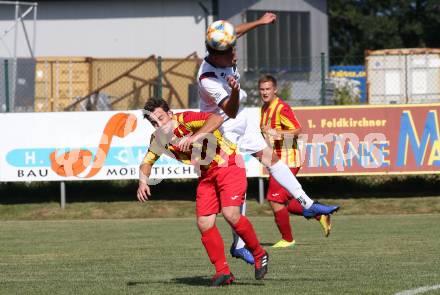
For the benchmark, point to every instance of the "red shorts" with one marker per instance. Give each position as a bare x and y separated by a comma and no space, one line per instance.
276,193
220,187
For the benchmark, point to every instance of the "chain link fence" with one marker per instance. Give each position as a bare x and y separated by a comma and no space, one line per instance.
303,84
79,84
314,81
51,84
17,84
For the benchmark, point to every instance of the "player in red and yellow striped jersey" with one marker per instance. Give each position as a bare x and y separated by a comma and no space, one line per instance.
217,151
280,126
194,138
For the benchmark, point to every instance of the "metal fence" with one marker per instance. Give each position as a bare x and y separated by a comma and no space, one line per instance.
317,80
305,84
78,84
81,84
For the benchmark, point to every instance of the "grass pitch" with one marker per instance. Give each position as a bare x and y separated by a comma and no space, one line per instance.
370,254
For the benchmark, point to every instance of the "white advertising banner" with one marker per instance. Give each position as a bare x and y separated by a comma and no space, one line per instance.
84,146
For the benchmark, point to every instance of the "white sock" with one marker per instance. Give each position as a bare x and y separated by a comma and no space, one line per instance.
238,242
286,179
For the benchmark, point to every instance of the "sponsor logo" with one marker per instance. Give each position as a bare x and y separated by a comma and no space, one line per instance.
74,162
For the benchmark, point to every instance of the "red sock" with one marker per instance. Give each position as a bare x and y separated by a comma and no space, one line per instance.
283,222
246,231
295,207
213,242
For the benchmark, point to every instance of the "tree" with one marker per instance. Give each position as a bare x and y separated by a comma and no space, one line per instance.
358,25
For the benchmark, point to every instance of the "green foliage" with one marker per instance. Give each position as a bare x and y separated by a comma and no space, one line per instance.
356,26
343,96
376,186
171,209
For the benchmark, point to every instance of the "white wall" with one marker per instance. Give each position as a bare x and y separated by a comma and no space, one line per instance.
171,28
130,28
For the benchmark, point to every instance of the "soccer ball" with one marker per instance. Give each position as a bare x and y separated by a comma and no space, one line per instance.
221,35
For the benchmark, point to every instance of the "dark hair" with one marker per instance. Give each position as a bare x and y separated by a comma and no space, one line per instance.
267,78
152,104
212,51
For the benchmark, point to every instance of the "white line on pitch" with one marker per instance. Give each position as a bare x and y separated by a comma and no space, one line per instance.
419,290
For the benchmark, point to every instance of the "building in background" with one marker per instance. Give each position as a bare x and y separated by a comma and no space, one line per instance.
171,28
290,49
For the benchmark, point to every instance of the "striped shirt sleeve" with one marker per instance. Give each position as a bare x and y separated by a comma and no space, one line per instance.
193,121
153,152
288,119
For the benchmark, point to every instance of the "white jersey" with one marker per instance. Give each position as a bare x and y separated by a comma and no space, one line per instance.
213,89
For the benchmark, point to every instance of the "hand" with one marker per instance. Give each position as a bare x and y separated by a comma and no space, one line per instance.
143,192
185,143
271,132
265,129
268,18
233,83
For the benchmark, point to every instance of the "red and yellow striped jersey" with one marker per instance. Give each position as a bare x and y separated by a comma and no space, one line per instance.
278,115
215,150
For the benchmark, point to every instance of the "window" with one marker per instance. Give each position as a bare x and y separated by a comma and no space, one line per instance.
284,46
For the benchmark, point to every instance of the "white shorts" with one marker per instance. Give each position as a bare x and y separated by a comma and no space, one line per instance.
245,132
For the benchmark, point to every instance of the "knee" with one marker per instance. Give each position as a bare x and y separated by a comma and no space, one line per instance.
276,206
204,224
231,216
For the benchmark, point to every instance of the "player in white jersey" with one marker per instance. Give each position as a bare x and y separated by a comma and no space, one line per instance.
219,91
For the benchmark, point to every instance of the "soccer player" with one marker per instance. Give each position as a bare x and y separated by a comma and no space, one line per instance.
194,138
281,128
220,93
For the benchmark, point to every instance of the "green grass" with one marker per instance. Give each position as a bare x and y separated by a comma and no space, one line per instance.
369,254
171,209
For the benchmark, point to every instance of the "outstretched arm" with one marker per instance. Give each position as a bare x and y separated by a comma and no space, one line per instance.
243,28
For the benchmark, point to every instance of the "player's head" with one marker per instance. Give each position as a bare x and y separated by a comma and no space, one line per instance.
267,85
157,111
222,58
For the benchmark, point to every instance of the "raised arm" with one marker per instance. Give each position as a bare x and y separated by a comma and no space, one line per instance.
243,28
231,104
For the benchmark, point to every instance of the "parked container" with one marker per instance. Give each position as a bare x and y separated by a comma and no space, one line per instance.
403,76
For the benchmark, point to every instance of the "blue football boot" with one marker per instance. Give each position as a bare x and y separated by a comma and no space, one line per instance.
242,253
319,209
